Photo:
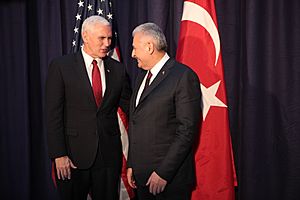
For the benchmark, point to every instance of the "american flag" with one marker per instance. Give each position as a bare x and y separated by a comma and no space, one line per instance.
104,8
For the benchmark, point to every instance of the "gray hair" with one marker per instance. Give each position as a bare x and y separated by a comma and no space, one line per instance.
92,20
154,31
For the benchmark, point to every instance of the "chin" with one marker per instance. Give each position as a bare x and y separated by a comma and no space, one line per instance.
102,55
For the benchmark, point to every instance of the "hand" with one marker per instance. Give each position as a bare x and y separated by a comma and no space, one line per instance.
130,178
156,184
63,167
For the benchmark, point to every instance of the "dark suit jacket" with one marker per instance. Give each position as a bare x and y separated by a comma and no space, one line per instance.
75,126
163,125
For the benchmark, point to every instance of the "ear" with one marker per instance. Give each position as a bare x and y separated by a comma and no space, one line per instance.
151,47
84,36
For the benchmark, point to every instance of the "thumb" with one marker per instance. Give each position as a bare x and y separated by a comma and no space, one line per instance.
72,165
148,182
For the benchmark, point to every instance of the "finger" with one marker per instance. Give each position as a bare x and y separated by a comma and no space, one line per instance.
62,174
72,165
69,173
58,173
133,182
65,173
152,188
130,182
149,180
155,189
163,188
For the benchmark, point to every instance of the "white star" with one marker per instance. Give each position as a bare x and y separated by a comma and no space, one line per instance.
90,7
80,3
74,43
78,17
75,30
100,12
209,98
109,16
102,0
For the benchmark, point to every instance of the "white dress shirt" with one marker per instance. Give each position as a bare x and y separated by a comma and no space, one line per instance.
154,70
89,68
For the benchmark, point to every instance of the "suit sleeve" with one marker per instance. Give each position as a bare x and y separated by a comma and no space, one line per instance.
187,105
54,112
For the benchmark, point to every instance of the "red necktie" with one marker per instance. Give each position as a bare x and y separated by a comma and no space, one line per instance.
147,80
97,85
147,83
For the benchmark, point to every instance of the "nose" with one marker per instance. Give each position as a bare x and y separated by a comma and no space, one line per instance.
133,53
107,42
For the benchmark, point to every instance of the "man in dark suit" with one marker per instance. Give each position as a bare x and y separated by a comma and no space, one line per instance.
83,93
164,117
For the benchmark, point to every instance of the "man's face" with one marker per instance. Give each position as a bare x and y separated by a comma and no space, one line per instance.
97,40
140,50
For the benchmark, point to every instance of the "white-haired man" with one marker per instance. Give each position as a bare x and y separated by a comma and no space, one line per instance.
83,93
164,118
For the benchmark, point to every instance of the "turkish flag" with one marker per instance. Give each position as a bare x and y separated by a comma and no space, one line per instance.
199,48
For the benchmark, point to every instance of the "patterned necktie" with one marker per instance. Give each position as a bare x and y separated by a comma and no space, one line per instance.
147,81
97,85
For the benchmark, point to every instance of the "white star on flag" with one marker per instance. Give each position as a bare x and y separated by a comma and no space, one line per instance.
80,3
90,7
109,16
100,12
74,43
75,30
209,98
78,17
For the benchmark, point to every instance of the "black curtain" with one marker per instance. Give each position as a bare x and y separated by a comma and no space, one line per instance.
261,53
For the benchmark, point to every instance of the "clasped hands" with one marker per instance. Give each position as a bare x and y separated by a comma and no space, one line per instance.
155,182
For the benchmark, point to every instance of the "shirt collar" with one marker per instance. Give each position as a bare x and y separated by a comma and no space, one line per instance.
157,67
89,59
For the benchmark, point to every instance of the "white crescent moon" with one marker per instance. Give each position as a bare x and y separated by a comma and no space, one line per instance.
195,13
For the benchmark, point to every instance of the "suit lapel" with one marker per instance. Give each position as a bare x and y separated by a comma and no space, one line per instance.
108,75
83,76
163,73
138,83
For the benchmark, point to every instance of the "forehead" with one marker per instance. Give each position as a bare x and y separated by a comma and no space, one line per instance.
139,38
100,29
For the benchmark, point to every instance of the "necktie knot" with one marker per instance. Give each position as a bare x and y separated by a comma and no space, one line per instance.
94,63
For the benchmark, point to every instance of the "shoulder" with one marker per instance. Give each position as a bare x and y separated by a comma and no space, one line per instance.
113,65
66,59
112,62
181,68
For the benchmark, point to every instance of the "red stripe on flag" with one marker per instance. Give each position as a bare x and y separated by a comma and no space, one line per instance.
124,121
53,173
125,180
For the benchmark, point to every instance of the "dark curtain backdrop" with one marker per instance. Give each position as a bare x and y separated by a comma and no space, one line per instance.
261,53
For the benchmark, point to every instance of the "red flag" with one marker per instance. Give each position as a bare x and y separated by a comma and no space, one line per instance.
199,48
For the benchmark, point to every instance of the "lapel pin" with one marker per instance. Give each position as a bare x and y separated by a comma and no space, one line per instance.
163,72
108,70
